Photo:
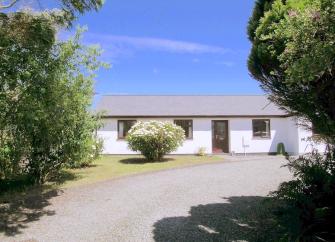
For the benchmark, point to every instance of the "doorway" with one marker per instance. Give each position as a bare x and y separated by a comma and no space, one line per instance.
220,138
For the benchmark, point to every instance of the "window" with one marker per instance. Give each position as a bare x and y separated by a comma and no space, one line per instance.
123,126
187,125
261,128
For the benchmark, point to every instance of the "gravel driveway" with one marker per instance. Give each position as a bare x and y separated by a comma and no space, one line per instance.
215,202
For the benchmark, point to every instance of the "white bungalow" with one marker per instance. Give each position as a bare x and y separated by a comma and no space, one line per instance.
220,124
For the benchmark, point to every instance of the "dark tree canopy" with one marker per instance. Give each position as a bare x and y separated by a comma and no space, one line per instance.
81,6
293,56
261,6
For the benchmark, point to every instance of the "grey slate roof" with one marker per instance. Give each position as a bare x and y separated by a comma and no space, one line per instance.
191,105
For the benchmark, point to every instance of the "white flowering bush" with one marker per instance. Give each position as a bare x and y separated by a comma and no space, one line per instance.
154,139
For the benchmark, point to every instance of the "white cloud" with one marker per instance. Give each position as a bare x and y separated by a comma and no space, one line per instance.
195,60
225,63
155,44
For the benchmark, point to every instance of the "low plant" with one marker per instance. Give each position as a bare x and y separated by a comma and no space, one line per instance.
312,196
281,149
154,139
201,151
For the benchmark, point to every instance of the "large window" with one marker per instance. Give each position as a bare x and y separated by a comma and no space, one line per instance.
187,125
261,128
123,126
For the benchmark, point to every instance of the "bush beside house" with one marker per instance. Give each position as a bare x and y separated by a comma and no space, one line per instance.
154,139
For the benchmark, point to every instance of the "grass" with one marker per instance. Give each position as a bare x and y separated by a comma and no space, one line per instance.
18,194
110,166
105,168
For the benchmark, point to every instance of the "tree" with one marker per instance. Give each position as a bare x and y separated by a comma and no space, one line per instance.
261,6
25,45
46,89
69,7
293,57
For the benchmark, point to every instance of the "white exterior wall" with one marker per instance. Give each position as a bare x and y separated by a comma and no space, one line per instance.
240,136
241,129
202,137
306,145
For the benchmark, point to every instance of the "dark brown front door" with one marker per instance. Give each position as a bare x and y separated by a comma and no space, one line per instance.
220,138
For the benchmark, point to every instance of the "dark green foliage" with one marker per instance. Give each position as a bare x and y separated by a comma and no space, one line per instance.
72,6
261,6
46,89
312,194
23,54
293,57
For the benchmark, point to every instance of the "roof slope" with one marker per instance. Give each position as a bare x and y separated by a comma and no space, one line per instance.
192,105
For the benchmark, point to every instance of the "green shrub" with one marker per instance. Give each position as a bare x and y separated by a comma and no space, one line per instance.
89,152
312,195
154,139
281,149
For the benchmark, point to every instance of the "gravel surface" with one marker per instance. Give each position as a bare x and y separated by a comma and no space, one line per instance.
202,203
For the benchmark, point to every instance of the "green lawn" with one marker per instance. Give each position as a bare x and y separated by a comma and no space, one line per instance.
110,166
105,168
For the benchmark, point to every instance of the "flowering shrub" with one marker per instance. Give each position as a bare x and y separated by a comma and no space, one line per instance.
154,139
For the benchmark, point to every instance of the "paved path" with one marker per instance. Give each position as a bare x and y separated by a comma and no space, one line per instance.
201,203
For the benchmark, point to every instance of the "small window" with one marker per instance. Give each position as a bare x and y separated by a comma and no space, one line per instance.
187,125
261,128
123,126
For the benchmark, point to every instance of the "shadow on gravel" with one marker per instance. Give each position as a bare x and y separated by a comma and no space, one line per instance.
18,210
237,219
142,161
21,203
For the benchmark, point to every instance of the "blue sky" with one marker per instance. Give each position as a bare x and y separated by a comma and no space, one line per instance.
172,47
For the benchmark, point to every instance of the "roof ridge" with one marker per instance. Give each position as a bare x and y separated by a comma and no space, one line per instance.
174,105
